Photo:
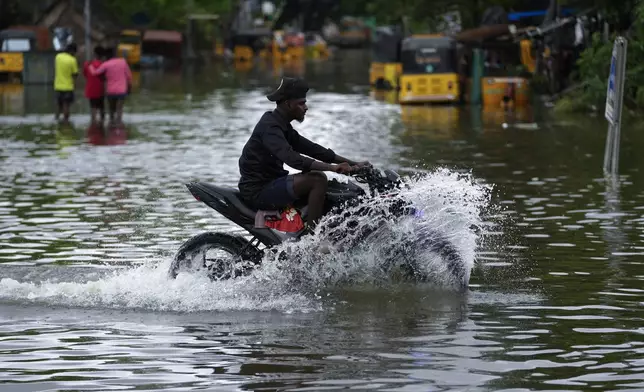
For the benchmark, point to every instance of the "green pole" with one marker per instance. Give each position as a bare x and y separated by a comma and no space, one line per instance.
477,74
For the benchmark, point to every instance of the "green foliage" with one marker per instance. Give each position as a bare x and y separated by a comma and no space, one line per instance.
569,105
423,14
594,66
166,14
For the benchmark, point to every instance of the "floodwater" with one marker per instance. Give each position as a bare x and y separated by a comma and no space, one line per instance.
90,220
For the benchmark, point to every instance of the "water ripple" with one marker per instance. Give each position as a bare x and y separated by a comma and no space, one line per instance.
89,221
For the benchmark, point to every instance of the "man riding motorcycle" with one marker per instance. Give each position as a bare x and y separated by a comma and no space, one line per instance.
264,183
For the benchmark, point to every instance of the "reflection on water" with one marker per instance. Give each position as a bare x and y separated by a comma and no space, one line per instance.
13,98
445,121
435,121
291,68
90,216
18,99
101,135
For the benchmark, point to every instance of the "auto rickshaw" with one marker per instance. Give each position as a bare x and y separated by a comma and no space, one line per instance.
287,46
129,46
250,43
429,70
316,47
385,68
505,92
13,43
505,81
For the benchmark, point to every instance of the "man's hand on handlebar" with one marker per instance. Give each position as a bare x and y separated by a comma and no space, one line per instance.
346,168
343,168
362,171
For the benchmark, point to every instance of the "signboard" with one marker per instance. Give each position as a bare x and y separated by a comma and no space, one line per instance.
616,76
610,92
614,102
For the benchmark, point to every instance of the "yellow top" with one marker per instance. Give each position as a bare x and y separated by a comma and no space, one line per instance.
66,68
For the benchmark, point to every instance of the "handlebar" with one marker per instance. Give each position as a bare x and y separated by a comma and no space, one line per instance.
365,171
376,179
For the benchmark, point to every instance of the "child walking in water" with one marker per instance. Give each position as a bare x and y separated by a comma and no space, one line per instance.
118,78
94,86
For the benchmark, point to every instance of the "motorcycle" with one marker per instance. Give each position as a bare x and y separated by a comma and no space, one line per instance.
242,256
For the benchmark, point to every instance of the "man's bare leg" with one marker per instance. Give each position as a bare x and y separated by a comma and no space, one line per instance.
312,185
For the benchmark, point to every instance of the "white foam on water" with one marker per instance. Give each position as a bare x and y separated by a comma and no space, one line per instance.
452,205
148,287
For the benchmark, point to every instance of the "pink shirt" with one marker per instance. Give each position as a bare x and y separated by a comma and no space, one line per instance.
117,75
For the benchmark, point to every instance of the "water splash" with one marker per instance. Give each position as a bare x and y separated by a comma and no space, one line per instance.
148,287
449,214
449,204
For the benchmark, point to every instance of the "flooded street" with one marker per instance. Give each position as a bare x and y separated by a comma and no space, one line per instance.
89,222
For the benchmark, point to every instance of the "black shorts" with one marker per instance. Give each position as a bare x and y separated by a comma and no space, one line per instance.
64,97
117,97
278,194
97,103
113,99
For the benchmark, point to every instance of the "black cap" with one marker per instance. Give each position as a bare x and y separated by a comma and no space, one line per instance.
289,88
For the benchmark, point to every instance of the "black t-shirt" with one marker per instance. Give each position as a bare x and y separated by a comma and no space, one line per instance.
273,143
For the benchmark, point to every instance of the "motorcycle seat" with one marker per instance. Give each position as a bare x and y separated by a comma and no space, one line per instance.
230,194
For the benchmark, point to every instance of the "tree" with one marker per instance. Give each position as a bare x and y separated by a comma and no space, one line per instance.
166,14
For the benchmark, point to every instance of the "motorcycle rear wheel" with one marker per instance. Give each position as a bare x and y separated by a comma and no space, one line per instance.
240,259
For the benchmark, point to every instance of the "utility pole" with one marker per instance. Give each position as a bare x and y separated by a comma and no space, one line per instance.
189,31
88,29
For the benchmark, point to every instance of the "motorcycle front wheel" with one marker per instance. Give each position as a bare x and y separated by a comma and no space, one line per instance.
221,256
